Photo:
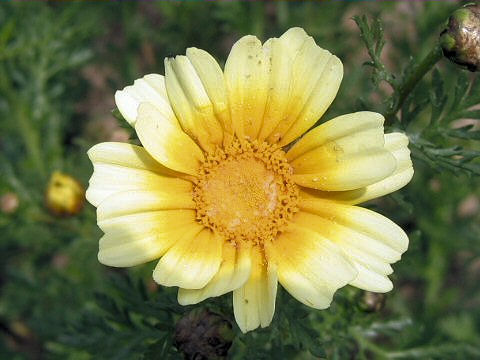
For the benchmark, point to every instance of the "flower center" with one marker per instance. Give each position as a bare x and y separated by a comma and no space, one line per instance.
245,192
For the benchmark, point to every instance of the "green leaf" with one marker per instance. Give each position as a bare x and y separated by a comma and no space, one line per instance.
438,98
465,132
372,36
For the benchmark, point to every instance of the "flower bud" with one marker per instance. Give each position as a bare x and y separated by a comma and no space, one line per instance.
460,41
372,302
64,196
202,334
9,203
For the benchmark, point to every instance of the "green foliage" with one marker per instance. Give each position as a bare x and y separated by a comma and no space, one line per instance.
437,142
142,323
60,65
372,36
432,143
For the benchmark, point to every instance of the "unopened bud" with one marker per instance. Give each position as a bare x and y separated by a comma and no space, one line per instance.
64,196
9,203
202,334
372,302
460,41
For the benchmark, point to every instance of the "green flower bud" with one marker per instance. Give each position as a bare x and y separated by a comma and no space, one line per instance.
202,334
460,41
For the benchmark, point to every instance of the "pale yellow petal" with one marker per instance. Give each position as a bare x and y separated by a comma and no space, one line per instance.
371,280
191,103
345,153
127,105
397,144
355,132
363,220
295,37
254,302
141,237
212,78
150,89
168,144
322,96
315,78
370,240
233,273
328,144
120,167
192,261
246,77
370,255
348,172
125,155
310,267
280,56
136,201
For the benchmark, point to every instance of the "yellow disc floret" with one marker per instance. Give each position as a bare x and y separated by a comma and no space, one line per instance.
245,191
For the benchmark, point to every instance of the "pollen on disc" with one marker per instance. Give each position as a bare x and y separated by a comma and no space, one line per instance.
245,192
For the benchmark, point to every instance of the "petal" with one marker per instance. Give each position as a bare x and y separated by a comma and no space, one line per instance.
343,154
370,256
322,96
316,76
310,267
397,144
254,302
150,89
122,167
364,220
370,240
246,77
168,144
355,132
191,103
371,280
350,171
233,273
192,261
141,237
279,54
213,81
137,201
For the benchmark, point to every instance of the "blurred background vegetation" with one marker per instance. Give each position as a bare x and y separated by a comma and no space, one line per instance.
60,65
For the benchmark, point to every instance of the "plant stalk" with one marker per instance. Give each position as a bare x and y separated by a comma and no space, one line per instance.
412,80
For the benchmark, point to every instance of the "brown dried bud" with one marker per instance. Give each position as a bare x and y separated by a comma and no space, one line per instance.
202,334
64,196
460,41
372,302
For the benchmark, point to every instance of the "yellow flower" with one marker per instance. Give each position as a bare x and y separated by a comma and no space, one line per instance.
226,199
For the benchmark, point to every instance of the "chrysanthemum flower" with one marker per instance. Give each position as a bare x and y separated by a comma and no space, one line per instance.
228,194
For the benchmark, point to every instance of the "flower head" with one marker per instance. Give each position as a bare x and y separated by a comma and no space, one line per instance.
217,197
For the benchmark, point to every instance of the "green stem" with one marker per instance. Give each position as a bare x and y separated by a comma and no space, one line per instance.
28,133
31,140
412,80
